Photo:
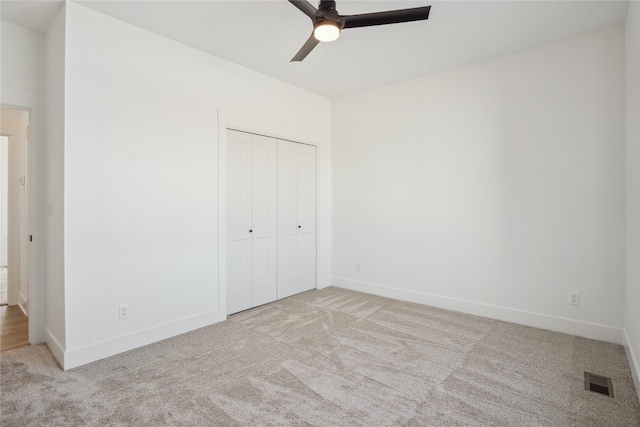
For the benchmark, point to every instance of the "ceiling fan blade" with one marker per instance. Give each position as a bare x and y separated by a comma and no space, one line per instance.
305,7
306,49
383,18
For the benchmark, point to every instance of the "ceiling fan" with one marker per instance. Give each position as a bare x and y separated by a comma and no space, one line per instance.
327,22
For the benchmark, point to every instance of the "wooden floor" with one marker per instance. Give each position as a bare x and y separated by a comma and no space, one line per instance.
14,326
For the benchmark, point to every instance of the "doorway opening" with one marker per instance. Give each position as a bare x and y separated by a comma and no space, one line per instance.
14,233
4,217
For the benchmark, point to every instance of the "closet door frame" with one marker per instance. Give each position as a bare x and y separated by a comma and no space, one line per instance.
230,121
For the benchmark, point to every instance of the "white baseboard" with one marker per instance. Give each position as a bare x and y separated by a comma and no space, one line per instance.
55,347
23,309
100,350
633,363
23,304
537,320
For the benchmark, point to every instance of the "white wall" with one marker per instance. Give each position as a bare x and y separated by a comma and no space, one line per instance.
54,198
632,296
23,56
23,85
141,179
493,189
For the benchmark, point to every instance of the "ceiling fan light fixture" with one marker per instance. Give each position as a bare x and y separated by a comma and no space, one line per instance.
326,31
327,22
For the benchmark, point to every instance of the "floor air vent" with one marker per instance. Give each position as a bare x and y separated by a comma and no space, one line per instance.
598,384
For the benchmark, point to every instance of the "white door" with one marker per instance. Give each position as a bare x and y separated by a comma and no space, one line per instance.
239,291
263,231
296,218
251,220
306,217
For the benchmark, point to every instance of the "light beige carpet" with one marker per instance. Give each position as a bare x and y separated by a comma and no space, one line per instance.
330,358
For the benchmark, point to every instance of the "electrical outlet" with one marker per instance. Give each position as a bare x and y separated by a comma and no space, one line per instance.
124,311
358,267
574,298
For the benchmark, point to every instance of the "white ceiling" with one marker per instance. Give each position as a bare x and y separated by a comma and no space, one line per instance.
264,35
36,15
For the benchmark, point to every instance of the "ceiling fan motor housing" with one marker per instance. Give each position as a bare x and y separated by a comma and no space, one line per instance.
327,12
327,5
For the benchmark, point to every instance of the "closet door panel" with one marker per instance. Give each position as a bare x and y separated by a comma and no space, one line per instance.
287,186
264,253
239,288
287,218
307,196
296,218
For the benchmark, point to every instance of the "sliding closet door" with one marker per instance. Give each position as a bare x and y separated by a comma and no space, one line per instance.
296,218
251,220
